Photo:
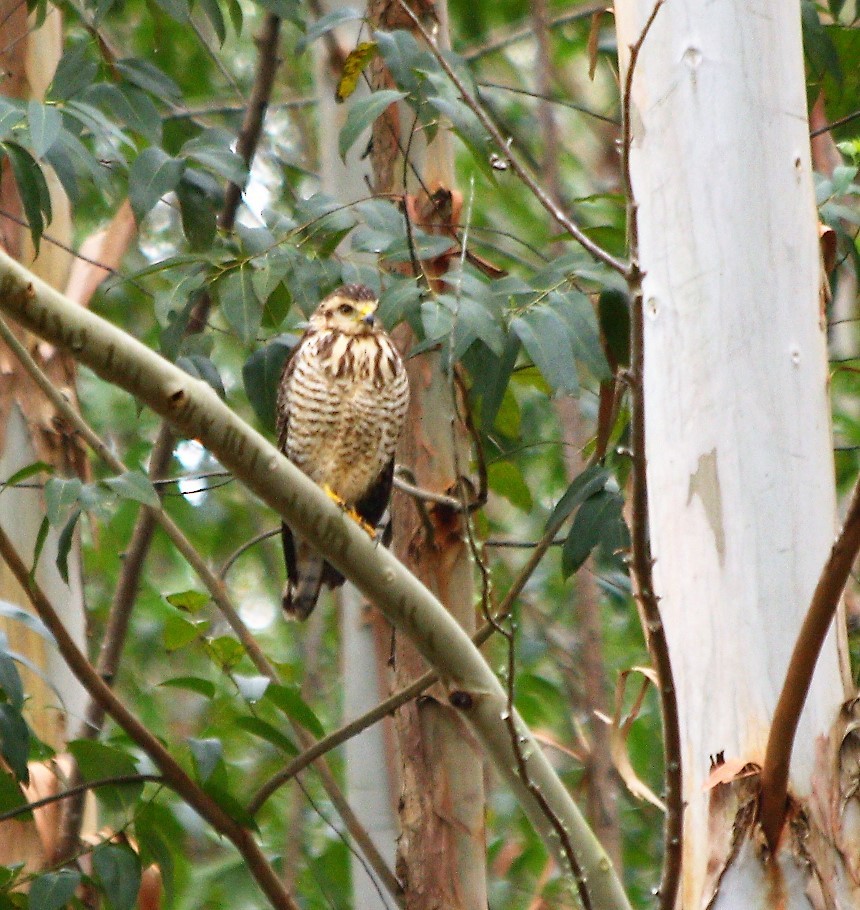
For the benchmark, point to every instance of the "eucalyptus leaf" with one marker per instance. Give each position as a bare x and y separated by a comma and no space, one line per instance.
153,174
53,890
362,114
117,870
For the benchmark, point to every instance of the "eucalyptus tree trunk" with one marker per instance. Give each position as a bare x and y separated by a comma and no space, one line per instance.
739,460
442,847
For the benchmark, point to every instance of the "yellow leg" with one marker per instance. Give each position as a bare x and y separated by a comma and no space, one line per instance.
365,526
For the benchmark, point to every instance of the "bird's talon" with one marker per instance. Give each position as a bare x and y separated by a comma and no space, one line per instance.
365,526
334,497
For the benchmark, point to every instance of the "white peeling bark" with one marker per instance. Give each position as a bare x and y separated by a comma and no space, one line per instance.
740,467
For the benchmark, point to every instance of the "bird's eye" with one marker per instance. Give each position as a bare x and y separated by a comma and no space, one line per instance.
346,309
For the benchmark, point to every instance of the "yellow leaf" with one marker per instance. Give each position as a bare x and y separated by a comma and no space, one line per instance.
353,67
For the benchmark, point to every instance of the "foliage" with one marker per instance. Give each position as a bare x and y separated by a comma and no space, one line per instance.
159,127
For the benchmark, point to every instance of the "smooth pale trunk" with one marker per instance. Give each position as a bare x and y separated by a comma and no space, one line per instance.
740,466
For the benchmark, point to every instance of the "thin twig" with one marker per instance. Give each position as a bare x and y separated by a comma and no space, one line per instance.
173,774
118,781
551,99
525,32
513,160
798,677
641,562
258,538
848,118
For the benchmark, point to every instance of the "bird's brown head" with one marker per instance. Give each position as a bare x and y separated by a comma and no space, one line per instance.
349,311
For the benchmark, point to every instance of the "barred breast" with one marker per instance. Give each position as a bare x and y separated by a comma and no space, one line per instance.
345,400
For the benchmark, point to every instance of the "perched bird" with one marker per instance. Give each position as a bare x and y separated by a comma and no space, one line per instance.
341,403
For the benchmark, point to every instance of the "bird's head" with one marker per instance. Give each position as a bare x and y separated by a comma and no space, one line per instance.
349,311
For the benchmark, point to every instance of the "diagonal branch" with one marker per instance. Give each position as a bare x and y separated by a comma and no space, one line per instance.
810,639
195,410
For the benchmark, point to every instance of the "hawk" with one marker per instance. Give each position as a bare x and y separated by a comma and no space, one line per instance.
341,403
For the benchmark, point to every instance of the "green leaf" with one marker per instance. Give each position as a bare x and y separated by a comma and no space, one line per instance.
578,315
37,467
362,114
190,601
226,651
204,687
212,149
290,701
546,340
257,727
153,174
613,313
45,124
201,367
11,797
156,829
32,189
128,105
11,116
239,302
53,890
64,545
468,128
117,870
76,71
179,632
15,741
62,494
216,18
198,213
96,761
325,24
147,76
134,485
506,478
398,300
261,374
41,537
10,679
590,481
590,524
207,753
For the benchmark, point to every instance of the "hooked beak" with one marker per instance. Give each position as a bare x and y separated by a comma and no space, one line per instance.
367,315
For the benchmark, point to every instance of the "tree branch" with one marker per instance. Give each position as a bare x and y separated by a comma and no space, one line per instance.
195,409
641,562
810,639
82,788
